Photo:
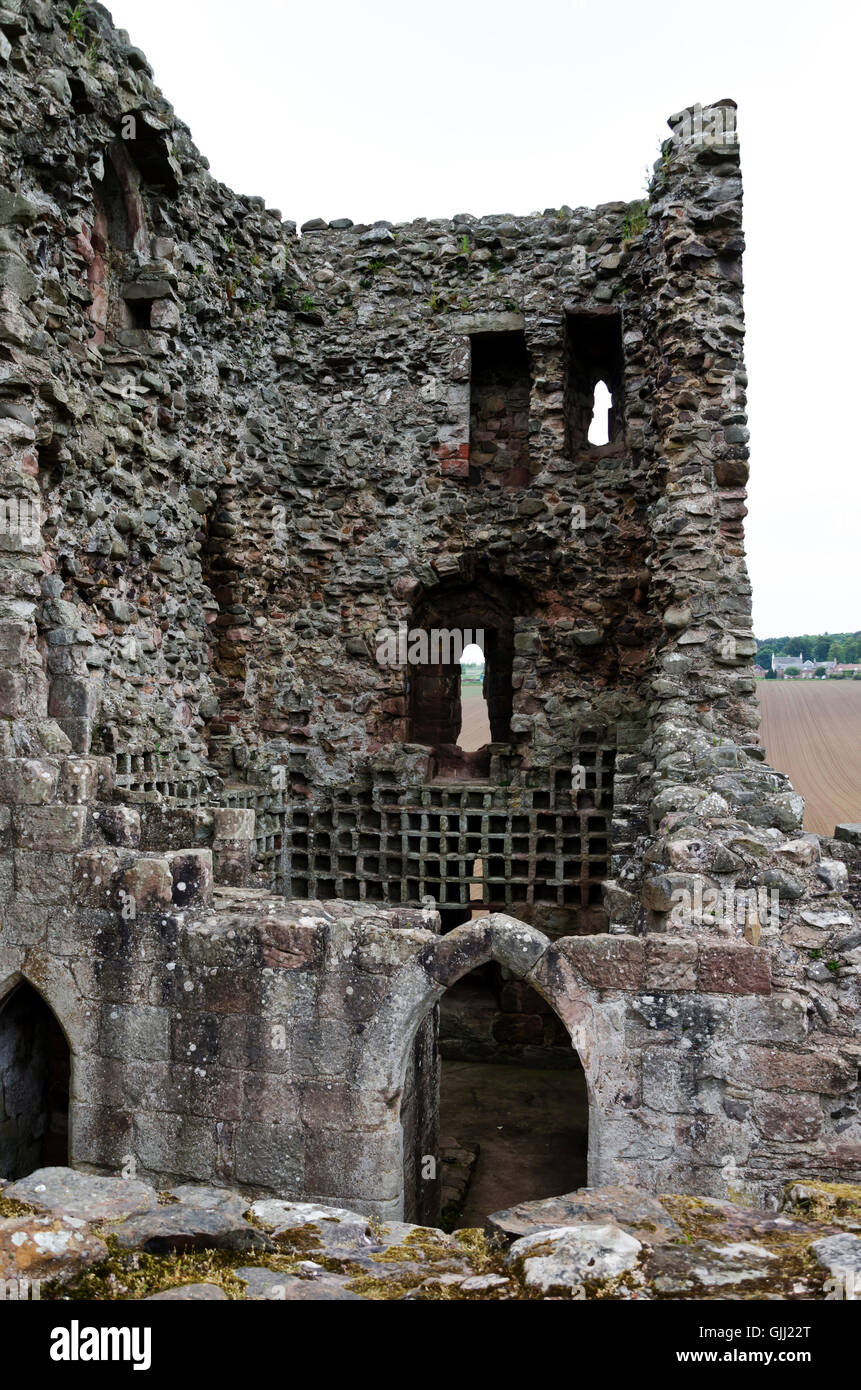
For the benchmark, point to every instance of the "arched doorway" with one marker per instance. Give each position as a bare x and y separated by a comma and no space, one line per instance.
35,1069
513,1106
398,1074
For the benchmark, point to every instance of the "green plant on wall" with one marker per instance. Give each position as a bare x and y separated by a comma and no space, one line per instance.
635,222
75,21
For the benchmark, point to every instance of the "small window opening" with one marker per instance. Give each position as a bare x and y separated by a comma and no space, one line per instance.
500,387
594,393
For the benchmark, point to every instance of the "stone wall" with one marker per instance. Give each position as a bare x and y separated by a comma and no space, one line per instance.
231,455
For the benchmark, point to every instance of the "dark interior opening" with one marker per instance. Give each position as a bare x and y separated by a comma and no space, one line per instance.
593,353
139,312
500,386
513,1114
35,1069
113,230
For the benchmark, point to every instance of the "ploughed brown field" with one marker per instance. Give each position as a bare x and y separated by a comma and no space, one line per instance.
475,726
812,731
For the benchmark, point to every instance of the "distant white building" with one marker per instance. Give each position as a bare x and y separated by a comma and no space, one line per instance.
781,664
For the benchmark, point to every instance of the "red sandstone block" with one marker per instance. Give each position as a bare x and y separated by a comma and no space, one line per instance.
86,779
734,969
27,781
607,962
288,945
789,1119
191,870
147,885
233,863
814,1072
50,828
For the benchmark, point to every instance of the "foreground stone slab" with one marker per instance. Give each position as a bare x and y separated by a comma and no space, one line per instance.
638,1213
179,1227
45,1247
704,1265
567,1256
83,1195
332,1231
215,1199
270,1285
840,1255
278,1215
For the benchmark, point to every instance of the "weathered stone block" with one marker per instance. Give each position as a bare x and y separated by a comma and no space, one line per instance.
27,781
777,1018
136,1032
774,1069
231,824
73,697
93,873
607,962
148,885
270,1155
13,695
85,779
734,969
671,963
788,1119
51,828
191,871
120,825
232,864
41,877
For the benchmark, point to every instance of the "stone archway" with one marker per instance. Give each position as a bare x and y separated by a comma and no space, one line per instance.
391,1035
35,1083
55,986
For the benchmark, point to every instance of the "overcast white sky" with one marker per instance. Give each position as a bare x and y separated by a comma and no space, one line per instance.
394,110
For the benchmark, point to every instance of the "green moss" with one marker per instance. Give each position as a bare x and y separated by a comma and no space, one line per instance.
696,1218
487,1253
9,1208
823,1201
123,1275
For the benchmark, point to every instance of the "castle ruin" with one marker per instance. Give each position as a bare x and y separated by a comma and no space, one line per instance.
243,858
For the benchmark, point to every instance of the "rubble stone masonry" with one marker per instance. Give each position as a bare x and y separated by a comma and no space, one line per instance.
231,455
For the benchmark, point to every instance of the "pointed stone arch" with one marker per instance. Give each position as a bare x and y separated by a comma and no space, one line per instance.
413,992
54,986
35,1084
